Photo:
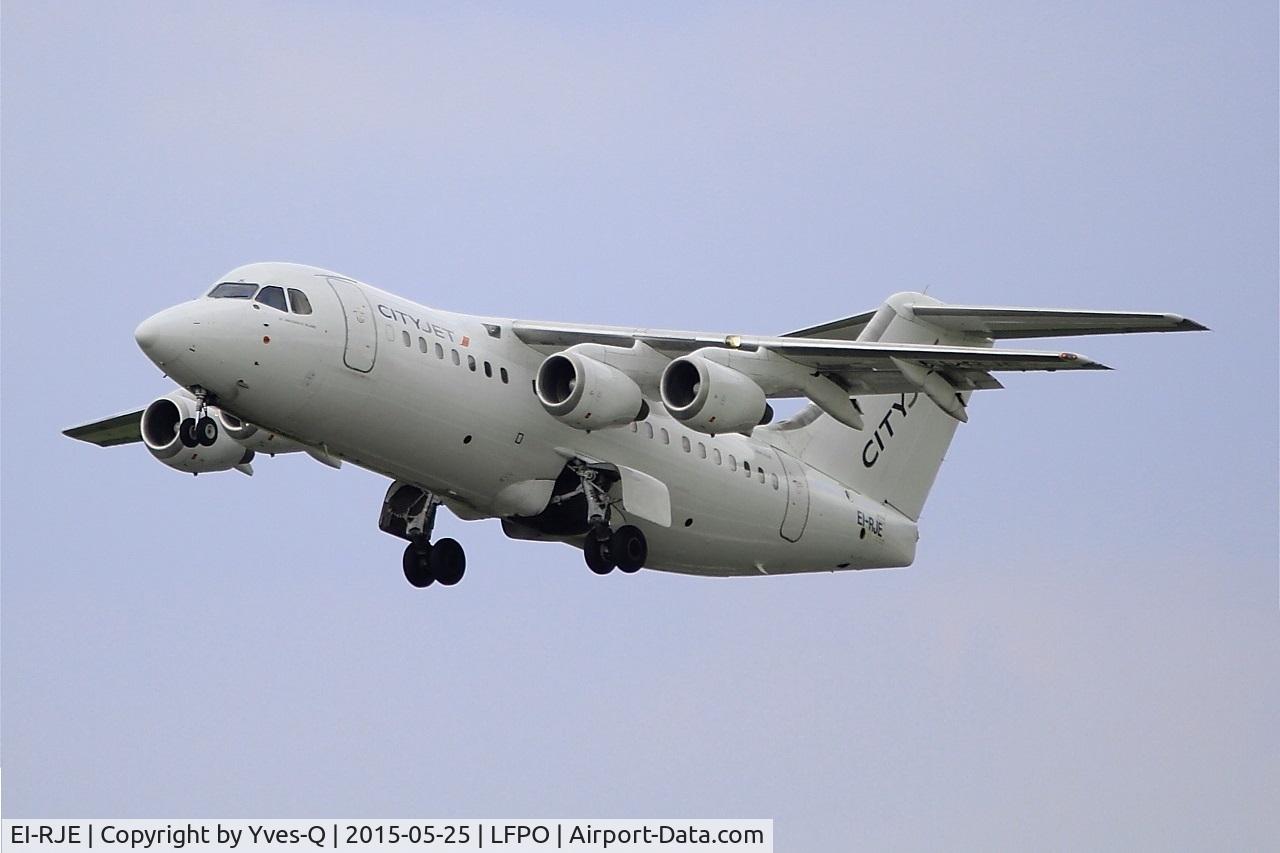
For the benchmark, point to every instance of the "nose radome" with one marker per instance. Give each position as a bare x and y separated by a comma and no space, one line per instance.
160,336
147,334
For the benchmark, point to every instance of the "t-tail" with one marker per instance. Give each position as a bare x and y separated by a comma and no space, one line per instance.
895,458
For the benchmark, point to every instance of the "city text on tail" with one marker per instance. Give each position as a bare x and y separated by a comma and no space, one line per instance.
644,448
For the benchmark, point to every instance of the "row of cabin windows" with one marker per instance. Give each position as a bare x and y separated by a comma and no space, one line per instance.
455,357
270,295
688,447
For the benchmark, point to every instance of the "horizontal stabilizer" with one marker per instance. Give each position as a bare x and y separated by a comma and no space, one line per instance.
844,329
1002,322
998,323
119,429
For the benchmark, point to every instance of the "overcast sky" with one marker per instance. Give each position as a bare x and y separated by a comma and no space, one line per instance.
1086,653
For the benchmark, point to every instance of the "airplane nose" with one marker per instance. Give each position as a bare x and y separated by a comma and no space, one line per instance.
147,334
160,337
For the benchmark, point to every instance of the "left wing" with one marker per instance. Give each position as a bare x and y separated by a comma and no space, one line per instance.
108,432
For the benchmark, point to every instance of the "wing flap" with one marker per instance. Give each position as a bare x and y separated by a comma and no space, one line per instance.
119,429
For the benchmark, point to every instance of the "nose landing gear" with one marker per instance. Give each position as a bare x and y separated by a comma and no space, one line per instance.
425,563
201,430
409,512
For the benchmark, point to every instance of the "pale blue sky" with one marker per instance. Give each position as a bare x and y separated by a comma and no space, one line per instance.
1084,655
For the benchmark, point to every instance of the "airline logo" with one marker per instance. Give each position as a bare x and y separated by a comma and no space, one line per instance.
884,430
424,326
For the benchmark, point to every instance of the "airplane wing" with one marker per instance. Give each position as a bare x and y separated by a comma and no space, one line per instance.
862,367
108,432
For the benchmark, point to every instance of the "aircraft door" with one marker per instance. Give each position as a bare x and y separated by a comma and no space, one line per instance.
796,515
362,333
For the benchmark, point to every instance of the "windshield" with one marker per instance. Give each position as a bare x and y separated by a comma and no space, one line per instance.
234,290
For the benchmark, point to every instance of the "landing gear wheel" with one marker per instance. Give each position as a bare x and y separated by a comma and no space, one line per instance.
448,561
417,565
187,432
598,553
206,431
629,548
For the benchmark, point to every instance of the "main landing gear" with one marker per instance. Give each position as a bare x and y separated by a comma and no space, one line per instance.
409,512
605,549
201,430
425,563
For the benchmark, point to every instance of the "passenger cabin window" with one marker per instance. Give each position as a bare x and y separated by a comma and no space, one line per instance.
702,450
299,301
648,430
422,344
715,452
775,481
666,437
684,443
404,337
439,351
273,296
502,371
733,463
457,359
488,370
471,363
234,290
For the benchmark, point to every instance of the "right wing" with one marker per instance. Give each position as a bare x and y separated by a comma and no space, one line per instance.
108,432
862,367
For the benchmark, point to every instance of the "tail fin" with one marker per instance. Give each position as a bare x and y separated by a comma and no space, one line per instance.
896,458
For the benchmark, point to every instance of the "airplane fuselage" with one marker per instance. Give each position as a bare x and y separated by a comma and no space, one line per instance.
446,401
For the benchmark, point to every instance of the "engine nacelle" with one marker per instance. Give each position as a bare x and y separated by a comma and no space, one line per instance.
255,438
160,422
588,394
712,398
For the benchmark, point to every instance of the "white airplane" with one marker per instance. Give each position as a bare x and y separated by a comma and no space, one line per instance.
644,448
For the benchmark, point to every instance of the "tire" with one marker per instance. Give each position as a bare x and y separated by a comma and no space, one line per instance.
629,548
206,431
187,432
417,566
448,561
598,554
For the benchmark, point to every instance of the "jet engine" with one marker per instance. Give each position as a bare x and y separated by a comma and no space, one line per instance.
160,422
712,398
588,394
254,437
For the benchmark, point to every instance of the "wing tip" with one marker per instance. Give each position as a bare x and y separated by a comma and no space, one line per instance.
1186,324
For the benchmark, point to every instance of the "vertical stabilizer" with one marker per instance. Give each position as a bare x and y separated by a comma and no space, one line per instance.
895,459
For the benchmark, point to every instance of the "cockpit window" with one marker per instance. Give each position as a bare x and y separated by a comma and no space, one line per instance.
301,305
273,296
234,290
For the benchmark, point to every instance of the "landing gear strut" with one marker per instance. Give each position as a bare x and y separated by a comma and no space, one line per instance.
603,548
409,512
201,430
